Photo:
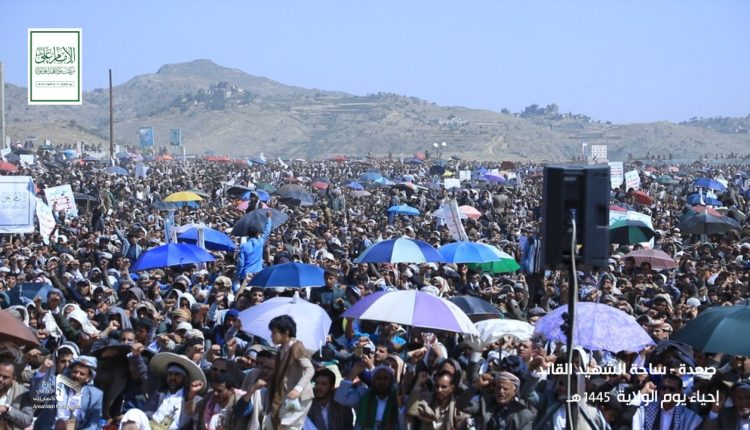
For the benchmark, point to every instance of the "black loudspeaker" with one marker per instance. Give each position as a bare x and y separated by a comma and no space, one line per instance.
584,190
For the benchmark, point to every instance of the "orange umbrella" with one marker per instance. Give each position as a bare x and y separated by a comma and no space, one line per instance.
7,167
643,198
14,330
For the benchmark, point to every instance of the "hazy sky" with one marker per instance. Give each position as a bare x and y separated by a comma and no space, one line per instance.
624,61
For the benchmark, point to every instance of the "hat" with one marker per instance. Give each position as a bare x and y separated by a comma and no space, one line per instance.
694,302
537,312
224,281
181,313
184,326
87,361
162,361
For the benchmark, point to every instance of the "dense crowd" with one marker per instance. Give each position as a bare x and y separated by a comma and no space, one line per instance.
165,348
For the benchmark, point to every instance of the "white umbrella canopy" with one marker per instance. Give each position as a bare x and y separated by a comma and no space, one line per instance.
492,330
313,323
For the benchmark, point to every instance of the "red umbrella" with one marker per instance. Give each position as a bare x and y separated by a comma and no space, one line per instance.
656,258
617,208
320,185
706,209
470,211
14,330
643,198
7,167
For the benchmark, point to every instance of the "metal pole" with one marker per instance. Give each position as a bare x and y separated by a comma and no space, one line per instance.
111,120
2,105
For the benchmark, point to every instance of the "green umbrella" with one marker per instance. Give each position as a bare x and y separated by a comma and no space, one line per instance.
629,231
719,329
506,265
265,187
666,180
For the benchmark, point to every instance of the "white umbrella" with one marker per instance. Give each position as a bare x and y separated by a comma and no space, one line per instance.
490,331
312,321
186,227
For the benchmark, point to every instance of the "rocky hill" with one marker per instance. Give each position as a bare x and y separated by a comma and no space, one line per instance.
235,113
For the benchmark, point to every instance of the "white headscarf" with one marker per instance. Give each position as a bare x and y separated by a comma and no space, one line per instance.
83,320
136,416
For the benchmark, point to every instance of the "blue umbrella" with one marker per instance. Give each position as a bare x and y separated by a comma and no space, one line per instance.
258,161
164,206
695,199
171,254
262,195
415,161
191,205
70,153
214,239
709,183
354,185
370,176
403,210
400,250
383,181
25,293
470,252
116,170
297,275
495,178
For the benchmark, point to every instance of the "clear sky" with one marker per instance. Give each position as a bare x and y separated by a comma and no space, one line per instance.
624,61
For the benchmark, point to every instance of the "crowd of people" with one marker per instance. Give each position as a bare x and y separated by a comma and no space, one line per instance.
165,348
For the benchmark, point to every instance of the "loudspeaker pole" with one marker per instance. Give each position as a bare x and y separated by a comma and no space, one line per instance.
111,121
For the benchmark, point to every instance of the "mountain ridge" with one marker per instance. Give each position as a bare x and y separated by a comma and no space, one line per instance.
236,113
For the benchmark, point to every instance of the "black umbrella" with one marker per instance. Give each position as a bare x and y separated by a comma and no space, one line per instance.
705,223
256,220
53,165
81,197
164,206
290,188
476,309
300,198
437,170
629,231
237,191
717,329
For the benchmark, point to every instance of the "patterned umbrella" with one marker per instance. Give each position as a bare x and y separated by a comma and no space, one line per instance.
598,327
656,258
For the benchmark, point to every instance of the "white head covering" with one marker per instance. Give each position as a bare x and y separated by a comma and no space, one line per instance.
83,319
136,416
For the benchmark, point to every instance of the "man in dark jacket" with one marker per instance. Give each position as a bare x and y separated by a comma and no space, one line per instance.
325,413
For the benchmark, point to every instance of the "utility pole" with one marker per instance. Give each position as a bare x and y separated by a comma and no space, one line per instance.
111,121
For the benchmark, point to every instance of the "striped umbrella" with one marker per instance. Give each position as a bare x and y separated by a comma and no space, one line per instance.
413,308
400,250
